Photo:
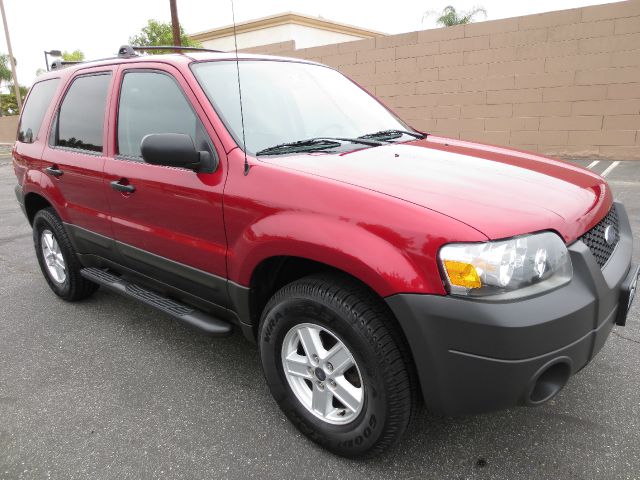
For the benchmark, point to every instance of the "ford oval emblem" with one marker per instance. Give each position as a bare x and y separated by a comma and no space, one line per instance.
609,235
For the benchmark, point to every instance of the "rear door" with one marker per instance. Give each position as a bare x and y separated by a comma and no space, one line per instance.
170,227
75,156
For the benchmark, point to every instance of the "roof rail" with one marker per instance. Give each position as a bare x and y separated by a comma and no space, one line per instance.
58,64
128,51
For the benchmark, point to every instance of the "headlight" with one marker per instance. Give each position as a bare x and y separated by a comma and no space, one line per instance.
528,264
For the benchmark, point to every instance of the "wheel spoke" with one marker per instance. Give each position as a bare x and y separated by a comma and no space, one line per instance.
297,365
59,272
321,400
339,358
47,240
349,395
310,338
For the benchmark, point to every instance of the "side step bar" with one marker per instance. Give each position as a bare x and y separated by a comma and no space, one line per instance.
185,313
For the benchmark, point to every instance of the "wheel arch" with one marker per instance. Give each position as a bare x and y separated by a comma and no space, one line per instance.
39,190
33,203
274,273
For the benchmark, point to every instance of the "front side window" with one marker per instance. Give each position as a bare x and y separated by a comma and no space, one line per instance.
35,108
81,118
151,102
290,101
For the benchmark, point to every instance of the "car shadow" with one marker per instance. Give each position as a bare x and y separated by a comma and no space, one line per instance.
440,447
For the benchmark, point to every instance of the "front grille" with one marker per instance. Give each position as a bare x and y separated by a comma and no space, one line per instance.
595,238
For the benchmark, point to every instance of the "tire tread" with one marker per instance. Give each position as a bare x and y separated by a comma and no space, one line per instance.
79,287
371,316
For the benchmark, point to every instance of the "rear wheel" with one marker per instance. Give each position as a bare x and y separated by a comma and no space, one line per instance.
57,258
337,365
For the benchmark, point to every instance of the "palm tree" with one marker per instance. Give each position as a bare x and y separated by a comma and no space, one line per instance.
450,16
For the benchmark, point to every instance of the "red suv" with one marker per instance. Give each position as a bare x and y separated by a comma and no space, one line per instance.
374,265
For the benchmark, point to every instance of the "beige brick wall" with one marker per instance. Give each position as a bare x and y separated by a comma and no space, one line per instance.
272,48
563,83
8,128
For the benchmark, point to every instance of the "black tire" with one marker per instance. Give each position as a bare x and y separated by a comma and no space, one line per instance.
365,325
75,286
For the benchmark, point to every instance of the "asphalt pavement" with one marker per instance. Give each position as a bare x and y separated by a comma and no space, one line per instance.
110,389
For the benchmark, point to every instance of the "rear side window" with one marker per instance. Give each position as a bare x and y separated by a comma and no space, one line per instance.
33,113
81,118
151,102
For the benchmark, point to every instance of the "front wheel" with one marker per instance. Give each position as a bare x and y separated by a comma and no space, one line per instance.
337,364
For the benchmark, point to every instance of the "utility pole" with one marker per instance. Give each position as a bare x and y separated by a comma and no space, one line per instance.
12,61
175,24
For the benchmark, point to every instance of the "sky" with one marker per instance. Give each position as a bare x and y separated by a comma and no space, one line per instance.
98,28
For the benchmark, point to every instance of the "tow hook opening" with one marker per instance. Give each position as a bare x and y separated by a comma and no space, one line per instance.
551,379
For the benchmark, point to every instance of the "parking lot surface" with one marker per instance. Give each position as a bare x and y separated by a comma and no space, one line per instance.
108,388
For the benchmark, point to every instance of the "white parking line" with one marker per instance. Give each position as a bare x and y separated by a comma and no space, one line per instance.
609,168
593,164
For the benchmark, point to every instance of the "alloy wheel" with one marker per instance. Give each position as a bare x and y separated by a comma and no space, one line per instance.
53,257
322,373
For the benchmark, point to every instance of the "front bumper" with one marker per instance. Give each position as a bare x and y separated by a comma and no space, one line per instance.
476,356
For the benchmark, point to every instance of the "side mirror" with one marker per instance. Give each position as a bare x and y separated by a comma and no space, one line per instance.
173,150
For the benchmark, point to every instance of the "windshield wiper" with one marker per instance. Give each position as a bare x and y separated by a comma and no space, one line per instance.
314,144
385,135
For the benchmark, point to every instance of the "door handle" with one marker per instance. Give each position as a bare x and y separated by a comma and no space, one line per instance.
54,170
121,187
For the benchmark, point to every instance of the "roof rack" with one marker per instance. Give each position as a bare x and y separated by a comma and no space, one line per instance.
128,51
58,64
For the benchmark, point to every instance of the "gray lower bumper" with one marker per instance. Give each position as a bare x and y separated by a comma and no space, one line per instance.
477,356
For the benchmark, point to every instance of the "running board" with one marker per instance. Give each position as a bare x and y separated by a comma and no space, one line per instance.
185,313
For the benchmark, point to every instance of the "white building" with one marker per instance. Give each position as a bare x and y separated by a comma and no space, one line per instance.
303,30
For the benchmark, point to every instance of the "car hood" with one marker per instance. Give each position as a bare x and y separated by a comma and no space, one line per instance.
498,191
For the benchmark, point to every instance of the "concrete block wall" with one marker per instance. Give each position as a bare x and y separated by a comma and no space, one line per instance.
8,128
272,48
563,83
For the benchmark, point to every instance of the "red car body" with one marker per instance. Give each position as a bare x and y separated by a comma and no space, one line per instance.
379,214
371,214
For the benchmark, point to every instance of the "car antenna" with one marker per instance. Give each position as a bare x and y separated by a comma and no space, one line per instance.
235,41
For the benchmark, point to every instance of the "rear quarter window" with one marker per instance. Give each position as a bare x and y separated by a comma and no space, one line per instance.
34,110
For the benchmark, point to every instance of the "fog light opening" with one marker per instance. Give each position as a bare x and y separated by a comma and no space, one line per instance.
549,383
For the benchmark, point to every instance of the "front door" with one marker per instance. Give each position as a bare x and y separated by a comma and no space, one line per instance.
169,225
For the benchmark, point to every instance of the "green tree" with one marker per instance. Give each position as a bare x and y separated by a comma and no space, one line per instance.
450,16
5,76
5,68
8,104
157,33
75,56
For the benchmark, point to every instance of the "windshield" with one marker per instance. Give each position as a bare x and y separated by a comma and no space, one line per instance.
286,102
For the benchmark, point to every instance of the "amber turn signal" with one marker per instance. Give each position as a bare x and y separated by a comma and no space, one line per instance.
462,274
